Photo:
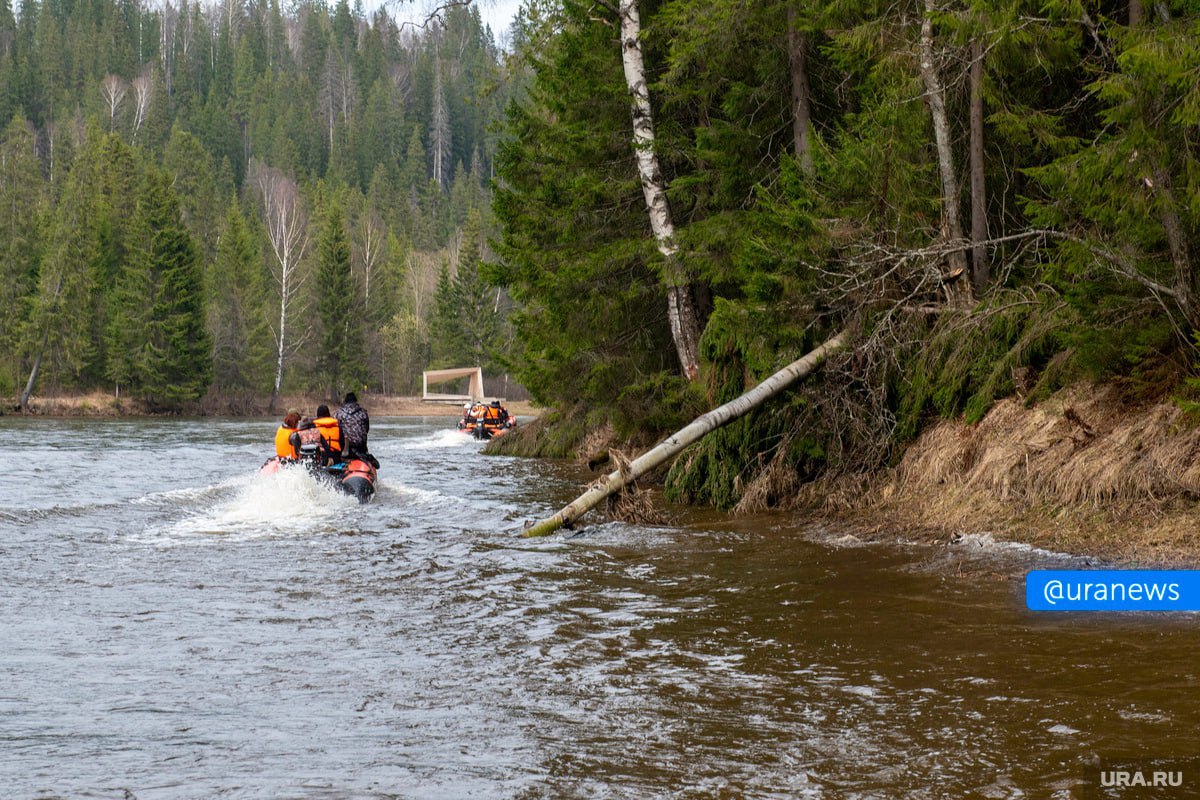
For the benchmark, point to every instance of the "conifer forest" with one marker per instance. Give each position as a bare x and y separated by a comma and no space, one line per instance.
637,209
234,200
988,198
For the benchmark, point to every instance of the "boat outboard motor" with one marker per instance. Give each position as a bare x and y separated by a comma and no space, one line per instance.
310,455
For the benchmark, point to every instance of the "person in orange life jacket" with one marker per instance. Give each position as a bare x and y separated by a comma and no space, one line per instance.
466,420
329,428
496,413
307,440
283,444
354,423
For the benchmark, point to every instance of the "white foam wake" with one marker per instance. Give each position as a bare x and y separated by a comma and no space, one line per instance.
287,502
439,440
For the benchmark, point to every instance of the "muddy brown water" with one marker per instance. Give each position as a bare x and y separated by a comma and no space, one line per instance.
176,626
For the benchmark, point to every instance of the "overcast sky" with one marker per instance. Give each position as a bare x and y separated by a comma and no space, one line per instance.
496,13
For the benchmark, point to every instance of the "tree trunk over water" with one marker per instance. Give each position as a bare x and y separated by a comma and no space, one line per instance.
681,309
698,429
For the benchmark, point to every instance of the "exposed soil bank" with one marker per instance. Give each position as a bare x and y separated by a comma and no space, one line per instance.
1079,473
1083,472
99,404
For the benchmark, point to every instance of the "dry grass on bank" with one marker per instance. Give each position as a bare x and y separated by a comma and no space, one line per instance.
1080,473
94,404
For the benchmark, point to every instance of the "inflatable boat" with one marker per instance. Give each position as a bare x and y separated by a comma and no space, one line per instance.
486,420
486,428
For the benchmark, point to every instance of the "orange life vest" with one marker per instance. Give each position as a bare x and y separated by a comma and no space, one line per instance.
329,428
310,438
283,445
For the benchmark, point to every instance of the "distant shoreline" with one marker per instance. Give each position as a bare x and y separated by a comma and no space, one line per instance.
102,405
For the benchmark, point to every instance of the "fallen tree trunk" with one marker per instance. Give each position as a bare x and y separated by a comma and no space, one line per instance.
696,430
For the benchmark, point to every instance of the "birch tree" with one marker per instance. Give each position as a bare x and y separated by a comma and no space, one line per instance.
439,131
681,309
287,233
168,21
143,93
113,90
371,237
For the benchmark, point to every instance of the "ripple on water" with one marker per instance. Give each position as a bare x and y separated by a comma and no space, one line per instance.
418,647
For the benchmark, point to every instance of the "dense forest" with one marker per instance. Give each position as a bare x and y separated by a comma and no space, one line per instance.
642,209
228,201
990,197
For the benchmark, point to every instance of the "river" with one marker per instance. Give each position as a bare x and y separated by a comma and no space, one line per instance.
177,626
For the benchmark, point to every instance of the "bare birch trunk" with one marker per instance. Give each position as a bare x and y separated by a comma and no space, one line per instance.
283,304
698,429
287,231
935,97
681,308
33,373
980,269
23,403
143,93
801,96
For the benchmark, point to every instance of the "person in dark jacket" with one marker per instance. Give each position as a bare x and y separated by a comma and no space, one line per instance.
354,423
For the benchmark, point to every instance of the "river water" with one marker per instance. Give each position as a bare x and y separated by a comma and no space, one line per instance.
176,626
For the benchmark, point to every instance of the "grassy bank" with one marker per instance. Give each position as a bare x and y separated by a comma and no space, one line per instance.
1081,472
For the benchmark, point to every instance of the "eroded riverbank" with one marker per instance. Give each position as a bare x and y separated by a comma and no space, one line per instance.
1080,473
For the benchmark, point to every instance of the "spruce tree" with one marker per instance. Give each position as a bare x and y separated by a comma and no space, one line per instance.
238,309
162,292
342,357
446,340
22,195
